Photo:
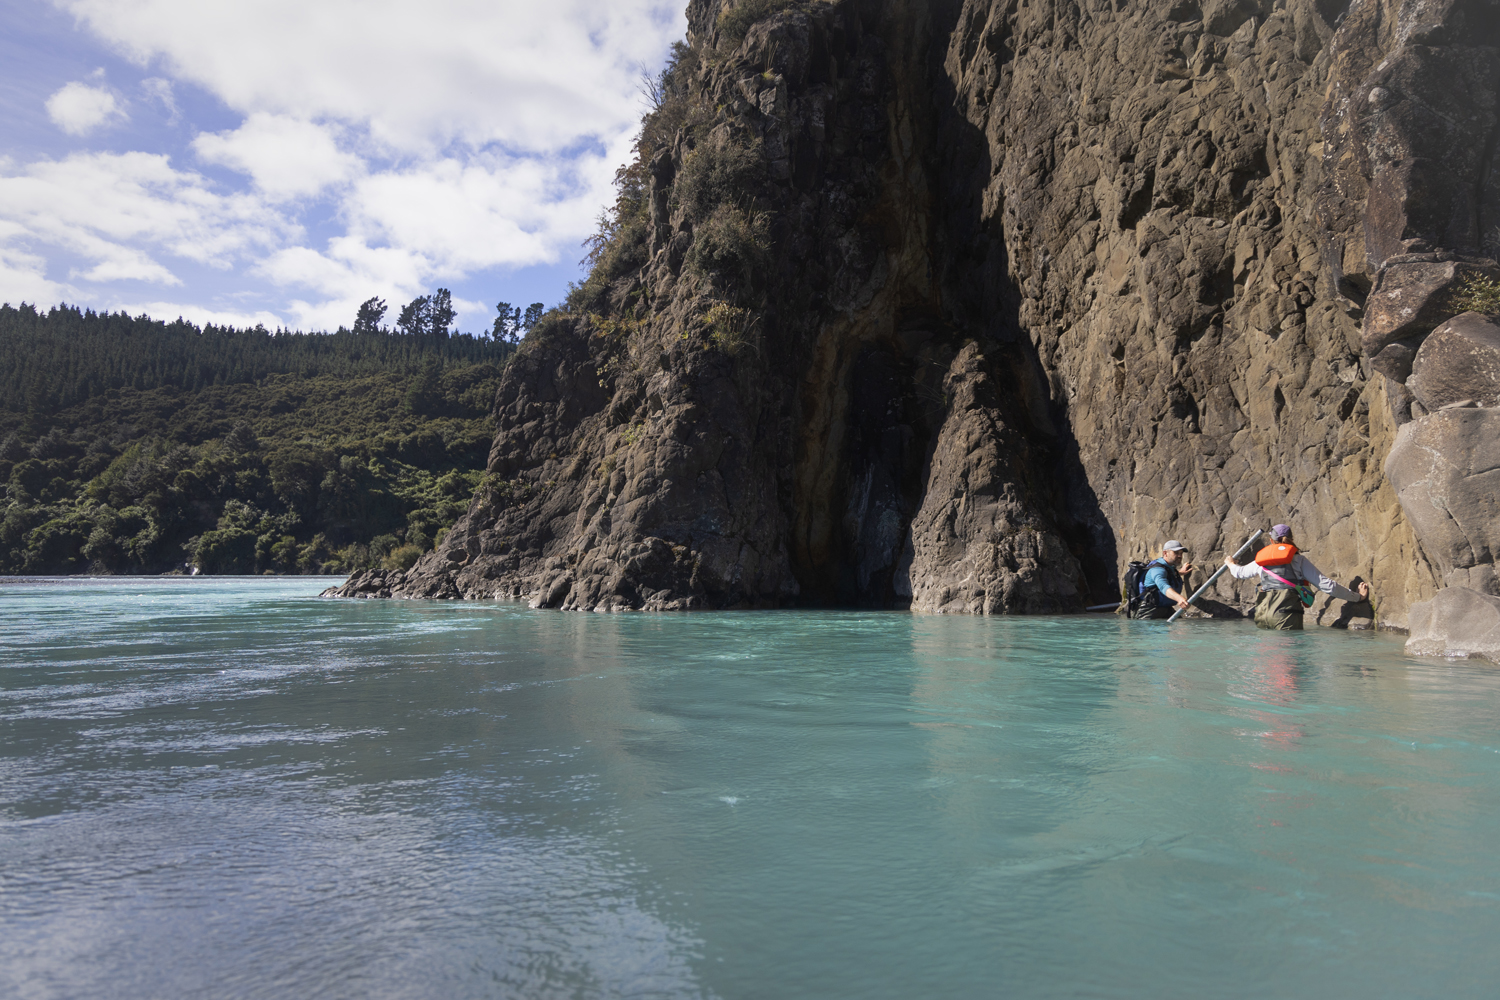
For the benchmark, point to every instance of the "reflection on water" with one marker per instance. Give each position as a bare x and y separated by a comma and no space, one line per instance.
230,788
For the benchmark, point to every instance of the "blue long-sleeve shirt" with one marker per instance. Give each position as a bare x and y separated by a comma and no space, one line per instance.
1158,577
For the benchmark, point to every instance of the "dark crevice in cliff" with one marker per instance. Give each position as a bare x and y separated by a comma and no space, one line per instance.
980,297
892,421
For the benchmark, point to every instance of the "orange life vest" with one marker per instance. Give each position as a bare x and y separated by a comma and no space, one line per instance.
1276,554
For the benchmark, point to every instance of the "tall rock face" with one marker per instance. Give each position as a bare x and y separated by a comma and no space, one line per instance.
959,306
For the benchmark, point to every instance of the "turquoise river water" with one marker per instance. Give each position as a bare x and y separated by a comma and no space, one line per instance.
231,788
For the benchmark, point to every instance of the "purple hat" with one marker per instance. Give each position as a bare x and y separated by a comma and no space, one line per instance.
1280,530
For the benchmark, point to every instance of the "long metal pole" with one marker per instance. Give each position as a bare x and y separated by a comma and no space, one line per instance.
1199,592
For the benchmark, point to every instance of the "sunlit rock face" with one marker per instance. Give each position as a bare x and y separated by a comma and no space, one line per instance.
1446,470
961,306
1458,622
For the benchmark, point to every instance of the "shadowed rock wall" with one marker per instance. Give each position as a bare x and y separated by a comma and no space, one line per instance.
1046,283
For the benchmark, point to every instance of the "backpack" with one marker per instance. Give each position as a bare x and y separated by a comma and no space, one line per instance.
1131,591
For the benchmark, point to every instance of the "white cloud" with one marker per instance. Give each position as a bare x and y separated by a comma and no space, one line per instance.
349,272
473,317
343,276
23,275
425,142
286,157
78,109
160,91
117,211
531,76
472,215
410,229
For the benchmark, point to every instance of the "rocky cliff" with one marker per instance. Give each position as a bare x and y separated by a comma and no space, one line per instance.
959,306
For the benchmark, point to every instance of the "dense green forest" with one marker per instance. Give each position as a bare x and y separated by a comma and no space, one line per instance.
130,445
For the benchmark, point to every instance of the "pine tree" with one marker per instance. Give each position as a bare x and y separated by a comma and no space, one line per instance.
507,327
440,313
415,318
371,312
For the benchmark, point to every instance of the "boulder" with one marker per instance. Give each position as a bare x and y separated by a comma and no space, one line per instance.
1395,359
1446,471
374,583
1355,615
1457,622
1407,300
1459,361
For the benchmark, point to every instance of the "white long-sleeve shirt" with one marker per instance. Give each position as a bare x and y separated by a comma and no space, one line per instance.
1300,568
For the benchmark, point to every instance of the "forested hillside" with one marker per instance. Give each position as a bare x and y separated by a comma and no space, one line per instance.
129,445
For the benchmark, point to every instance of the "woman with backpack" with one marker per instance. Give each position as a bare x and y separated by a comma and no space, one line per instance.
1287,581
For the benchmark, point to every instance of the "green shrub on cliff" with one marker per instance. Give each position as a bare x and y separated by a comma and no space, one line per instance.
618,249
720,169
619,245
731,242
730,327
402,557
1478,294
734,22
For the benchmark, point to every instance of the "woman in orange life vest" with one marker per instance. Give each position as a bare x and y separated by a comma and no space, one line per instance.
1285,576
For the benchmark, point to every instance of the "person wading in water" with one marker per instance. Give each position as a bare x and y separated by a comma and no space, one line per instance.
1287,578
1163,589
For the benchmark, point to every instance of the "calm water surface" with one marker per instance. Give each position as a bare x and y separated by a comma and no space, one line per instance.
231,788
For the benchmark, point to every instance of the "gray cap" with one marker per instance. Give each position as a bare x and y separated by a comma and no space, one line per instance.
1174,546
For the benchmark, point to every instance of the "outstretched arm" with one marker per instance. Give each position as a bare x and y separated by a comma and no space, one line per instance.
1175,598
1314,576
1157,577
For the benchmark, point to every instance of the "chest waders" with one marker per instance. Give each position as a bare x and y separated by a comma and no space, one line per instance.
1278,609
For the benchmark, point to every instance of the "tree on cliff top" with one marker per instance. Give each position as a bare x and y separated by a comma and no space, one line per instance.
440,313
512,324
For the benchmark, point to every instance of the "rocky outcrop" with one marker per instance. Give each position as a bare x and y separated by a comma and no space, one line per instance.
1459,363
1446,470
960,306
1408,301
1457,622
973,545
729,424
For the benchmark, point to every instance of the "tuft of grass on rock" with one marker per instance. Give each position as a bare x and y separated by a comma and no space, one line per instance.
730,327
1478,293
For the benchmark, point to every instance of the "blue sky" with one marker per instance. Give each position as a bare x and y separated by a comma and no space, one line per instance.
280,161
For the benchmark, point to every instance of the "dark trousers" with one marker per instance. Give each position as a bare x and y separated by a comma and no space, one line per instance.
1280,610
1148,611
